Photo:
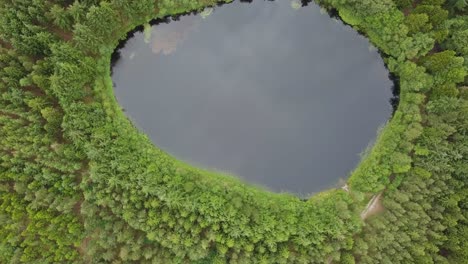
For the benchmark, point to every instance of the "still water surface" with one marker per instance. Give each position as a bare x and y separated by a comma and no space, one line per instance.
283,97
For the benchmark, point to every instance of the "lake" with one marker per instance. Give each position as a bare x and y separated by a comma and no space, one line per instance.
280,95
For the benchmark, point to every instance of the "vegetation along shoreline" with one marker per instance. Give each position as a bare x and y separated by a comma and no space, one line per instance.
80,184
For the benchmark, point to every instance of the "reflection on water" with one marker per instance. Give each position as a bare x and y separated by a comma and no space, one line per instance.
275,93
166,39
295,4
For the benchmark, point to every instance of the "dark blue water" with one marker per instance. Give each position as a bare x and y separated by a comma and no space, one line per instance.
282,97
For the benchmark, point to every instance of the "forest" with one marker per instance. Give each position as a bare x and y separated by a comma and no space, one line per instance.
80,184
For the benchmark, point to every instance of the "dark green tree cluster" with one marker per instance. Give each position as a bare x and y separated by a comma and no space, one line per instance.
39,169
80,184
425,217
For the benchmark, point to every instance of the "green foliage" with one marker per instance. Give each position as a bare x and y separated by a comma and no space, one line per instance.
404,4
458,36
457,5
418,23
78,182
426,213
447,69
437,14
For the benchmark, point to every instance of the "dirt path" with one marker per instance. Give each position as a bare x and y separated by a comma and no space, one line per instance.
345,188
373,207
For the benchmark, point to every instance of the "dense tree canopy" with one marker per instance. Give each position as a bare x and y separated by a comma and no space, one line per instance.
79,183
